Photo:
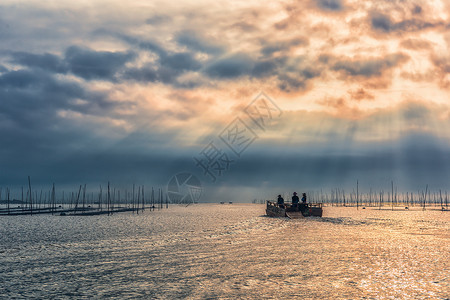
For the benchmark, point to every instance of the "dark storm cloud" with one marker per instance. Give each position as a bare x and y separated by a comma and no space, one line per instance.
193,41
291,83
83,62
169,65
231,67
3,69
291,75
264,68
167,73
312,167
181,61
32,97
330,5
158,19
34,135
19,79
151,73
369,67
383,23
282,46
46,61
147,73
90,64
146,45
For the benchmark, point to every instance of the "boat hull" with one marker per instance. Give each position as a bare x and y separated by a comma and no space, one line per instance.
287,210
275,211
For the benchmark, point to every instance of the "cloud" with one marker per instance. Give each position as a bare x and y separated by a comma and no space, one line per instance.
194,41
26,93
264,68
330,5
19,79
46,61
369,67
181,62
283,46
158,19
442,69
244,26
360,94
442,63
233,66
146,73
158,70
416,44
383,23
90,64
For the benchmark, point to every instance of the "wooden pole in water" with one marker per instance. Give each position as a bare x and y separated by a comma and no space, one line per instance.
31,197
7,192
138,200
108,200
143,198
126,198
396,199
53,199
153,199
84,197
118,199
425,197
113,200
446,200
381,192
132,199
407,199
100,196
357,194
392,200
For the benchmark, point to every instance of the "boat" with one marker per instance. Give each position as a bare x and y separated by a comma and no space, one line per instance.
287,210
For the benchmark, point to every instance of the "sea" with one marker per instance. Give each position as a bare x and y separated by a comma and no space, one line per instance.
228,251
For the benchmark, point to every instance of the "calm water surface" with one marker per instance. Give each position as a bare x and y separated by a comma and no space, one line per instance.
212,251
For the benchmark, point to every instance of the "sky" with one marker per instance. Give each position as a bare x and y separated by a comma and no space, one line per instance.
253,98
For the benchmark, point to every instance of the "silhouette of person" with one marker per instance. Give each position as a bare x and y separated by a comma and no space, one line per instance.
304,198
295,201
280,201
303,205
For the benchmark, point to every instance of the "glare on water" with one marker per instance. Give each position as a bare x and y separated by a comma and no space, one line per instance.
227,252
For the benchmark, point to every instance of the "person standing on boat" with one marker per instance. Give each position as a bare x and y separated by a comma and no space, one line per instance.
280,201
304,198
303,205
295,201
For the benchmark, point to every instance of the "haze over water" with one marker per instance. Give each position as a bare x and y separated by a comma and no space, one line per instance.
227,252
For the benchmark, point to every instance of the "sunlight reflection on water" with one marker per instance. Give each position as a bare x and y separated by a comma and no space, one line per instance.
227,252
